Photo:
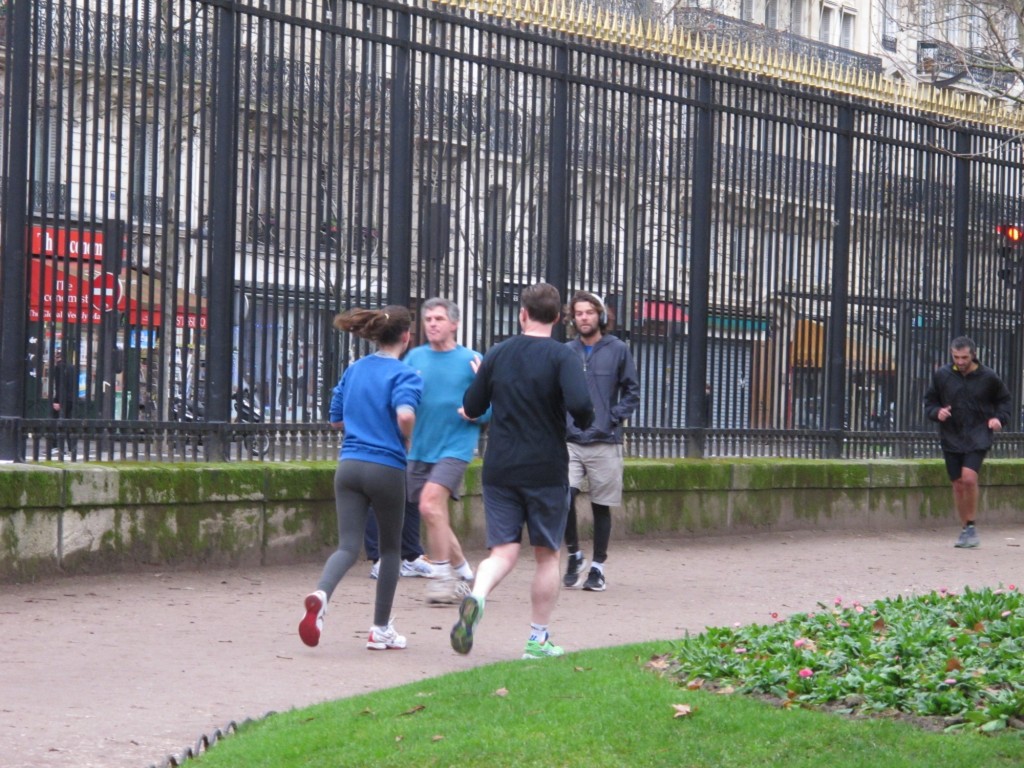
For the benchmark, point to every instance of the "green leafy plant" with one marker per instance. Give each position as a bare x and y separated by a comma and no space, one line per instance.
952,657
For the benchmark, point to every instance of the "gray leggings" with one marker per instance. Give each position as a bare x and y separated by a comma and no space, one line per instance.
358,485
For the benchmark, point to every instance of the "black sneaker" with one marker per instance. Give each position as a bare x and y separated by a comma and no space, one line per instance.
595,581
574,570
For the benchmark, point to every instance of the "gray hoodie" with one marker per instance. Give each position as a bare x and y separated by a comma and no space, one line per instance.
614,389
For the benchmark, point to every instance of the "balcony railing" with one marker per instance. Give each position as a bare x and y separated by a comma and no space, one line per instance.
943,61
729,28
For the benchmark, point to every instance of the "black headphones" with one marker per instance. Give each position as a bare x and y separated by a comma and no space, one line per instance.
602,313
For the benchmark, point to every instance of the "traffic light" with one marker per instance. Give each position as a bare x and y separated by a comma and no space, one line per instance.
1012,272
1014,233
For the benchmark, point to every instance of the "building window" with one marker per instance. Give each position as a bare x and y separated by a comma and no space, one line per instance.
889,25
771,14
825,24
747,10
796,17
847,27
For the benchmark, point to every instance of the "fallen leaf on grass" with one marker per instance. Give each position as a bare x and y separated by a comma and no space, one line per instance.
954,664
695,684
682,710
658,662
437,737
501,692
725,690
414,710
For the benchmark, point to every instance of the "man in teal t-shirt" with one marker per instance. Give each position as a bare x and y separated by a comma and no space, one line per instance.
443,443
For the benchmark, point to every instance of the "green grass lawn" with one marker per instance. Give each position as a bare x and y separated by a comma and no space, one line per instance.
614,707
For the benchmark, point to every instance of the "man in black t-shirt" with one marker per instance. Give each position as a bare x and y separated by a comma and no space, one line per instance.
530,382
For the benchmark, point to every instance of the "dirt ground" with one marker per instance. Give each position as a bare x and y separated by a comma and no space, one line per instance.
122,671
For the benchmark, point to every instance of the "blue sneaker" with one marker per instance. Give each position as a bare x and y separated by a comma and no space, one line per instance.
470,613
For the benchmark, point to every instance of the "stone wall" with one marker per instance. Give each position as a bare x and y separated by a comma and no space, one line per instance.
100,517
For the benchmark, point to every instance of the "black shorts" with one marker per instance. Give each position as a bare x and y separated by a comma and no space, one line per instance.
543,510
955,462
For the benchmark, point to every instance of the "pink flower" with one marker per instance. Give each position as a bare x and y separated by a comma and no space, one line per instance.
800,642
775,615
806,672
844,624
1010,586
1004,614
838,600
859,608
950,681
739,650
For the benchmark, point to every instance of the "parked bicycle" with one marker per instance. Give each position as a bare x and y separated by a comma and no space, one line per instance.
247,411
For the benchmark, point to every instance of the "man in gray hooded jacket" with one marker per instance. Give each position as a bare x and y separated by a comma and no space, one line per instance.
596,452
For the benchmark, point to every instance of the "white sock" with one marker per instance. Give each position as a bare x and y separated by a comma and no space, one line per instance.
599,566
539,632
464,571
442,570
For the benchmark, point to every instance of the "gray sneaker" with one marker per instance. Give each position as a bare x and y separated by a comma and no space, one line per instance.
968,538
450,590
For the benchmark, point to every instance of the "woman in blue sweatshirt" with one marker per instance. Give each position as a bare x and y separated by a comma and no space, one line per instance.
375,402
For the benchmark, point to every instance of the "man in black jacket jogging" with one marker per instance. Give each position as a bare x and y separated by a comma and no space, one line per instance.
971,403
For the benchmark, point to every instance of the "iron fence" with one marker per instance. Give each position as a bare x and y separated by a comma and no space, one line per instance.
192,190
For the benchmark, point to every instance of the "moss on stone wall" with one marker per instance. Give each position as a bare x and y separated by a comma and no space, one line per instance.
115,516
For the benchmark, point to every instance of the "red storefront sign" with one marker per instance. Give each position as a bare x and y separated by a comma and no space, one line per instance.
66,243
67,285
64,297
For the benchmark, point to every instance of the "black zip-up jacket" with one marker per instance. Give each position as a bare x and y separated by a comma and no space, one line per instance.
975,397
614,389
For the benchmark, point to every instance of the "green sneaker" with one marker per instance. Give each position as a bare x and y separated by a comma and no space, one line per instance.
538,650
470,613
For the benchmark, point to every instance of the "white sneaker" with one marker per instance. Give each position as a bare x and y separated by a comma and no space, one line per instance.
312,623
384,638
375,569
450,590
418,567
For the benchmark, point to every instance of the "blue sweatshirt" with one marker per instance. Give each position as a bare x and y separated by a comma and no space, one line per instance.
367,399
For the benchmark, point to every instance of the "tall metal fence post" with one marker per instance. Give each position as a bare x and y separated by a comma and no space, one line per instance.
400,172
835,393
13,283
961,230
557,272
113,242
700,271
219,337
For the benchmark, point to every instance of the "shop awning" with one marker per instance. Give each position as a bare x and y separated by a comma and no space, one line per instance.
807,349
659,311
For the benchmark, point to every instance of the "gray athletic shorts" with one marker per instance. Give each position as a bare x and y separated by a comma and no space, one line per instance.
601,465
542,510
447,473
